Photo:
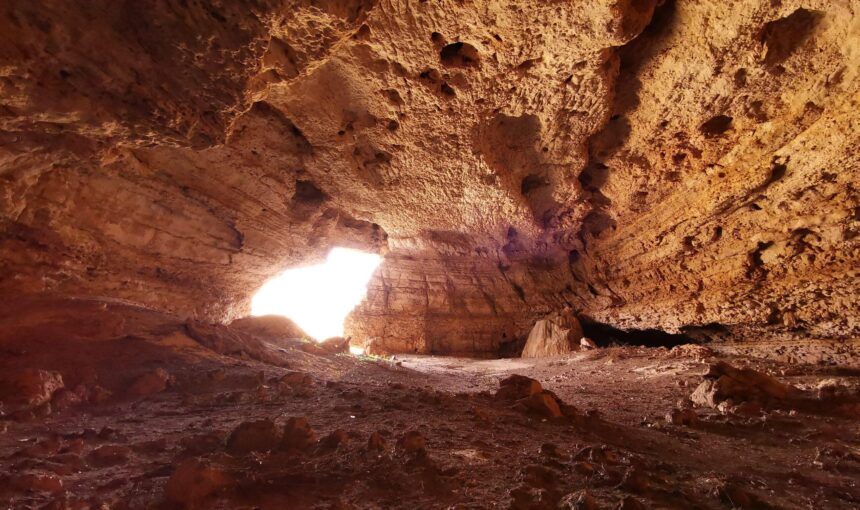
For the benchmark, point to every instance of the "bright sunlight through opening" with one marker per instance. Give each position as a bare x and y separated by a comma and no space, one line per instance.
318,298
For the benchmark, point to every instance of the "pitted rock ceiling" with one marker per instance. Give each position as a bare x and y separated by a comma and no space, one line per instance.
653,166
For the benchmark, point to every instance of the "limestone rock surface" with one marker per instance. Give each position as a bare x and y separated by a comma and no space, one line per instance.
556,335
682,165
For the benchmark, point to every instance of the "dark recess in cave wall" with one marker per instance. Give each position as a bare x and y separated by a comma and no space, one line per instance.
512,347
605,335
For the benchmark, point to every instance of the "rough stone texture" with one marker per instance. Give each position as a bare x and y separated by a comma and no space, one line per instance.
27,388
689,166
253,436
268,326
195,480
724,381
213,439
556,335
751,220
449,304
138,161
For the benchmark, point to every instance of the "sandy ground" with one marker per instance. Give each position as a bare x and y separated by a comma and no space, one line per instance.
426,432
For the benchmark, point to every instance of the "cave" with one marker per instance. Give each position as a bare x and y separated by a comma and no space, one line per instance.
353,254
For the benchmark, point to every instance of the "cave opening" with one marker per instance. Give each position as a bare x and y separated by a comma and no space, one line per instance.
318,298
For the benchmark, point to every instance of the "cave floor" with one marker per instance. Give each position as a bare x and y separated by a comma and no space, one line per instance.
617,450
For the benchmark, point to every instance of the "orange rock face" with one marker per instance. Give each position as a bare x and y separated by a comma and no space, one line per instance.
556,335
25,389
692,164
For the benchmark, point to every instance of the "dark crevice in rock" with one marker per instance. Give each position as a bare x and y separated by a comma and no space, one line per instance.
511,347
777,172
633,55
519,290
716,126
605,335
308,194
755,265
710,332
532,182
782,37
307,200
459,54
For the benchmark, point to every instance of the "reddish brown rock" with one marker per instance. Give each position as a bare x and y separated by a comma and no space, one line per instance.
108,456
749,408
734,494
312,347
631,503
254,436
98,394
271,327
65,399
556,335
411,442
42,448
376,442
582,500
725,382
335,439
149,383
335,345
32,482
687,417
194,481
516,386
692,350
27,389
298,435
543,404
295,380
528,395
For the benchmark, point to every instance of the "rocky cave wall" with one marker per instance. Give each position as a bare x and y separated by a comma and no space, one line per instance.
668,166
727,176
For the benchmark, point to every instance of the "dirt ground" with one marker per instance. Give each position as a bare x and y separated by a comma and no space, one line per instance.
406,432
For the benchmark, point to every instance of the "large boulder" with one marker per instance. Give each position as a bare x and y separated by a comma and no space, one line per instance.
527,394
235,341
515,387
270,327
335,345
555,335
725,382
253,436
27,388
298,435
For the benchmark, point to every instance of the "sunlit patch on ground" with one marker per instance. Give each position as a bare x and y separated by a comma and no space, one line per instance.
318,298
